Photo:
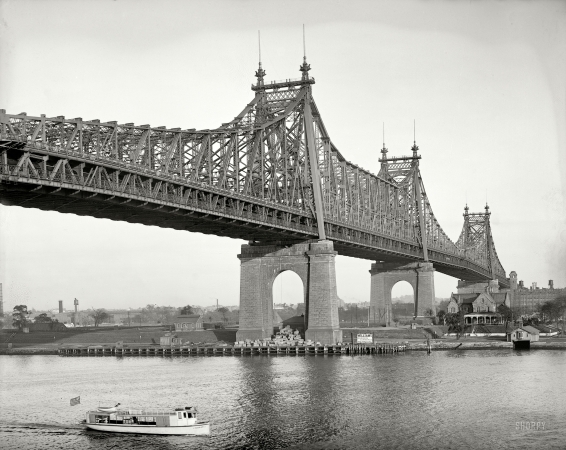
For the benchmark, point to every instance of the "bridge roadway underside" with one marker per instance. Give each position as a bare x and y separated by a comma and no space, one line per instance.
104,206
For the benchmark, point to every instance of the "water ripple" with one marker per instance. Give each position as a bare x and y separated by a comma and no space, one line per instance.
448,400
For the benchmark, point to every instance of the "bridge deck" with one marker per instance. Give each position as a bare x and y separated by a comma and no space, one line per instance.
56,196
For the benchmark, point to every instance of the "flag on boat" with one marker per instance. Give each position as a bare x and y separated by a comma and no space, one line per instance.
75,401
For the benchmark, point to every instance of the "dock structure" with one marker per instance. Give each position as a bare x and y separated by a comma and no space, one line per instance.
231,350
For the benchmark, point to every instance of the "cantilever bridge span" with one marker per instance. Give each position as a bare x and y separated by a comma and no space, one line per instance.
271,176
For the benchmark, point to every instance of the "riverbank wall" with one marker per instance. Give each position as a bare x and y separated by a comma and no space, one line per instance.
216,350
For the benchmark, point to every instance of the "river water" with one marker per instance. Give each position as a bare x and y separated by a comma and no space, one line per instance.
492,399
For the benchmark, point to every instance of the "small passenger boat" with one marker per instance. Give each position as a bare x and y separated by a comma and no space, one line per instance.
116,419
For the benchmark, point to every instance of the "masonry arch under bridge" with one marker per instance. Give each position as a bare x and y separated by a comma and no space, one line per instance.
405,309
287,288
314,263
385,275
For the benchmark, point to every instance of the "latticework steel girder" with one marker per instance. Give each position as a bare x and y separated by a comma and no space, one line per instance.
271,174
477,241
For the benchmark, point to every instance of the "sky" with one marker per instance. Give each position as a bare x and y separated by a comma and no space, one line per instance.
484,81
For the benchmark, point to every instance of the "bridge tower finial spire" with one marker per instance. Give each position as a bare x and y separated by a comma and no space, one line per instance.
260,73
384,150
305,67
415,147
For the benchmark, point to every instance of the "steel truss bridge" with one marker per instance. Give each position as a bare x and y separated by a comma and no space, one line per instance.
270,175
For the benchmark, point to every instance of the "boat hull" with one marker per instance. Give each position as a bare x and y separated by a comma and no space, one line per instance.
198,429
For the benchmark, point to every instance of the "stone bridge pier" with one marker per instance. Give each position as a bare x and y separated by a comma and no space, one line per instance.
314,262
384,276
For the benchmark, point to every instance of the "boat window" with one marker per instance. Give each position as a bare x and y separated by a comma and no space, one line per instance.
180,415
190,415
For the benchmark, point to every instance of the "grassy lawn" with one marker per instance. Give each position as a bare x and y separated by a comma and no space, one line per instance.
103,335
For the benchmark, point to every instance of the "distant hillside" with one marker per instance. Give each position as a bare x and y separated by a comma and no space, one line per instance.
403,299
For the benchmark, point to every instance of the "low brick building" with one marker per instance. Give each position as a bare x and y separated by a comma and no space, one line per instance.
188,322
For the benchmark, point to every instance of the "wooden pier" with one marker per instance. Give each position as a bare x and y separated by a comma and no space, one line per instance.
231,350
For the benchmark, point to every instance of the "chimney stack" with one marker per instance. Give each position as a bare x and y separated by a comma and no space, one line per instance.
550,284
75,318
521,285
60,306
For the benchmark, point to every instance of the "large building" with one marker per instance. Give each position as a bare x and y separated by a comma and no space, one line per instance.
480,299
527,300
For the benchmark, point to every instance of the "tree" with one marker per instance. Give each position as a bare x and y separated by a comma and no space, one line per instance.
554,310
149,314
44,318
443,304
441,314
455,322
562,310
223,311
187,310
166,314
20,315
99,316
506,313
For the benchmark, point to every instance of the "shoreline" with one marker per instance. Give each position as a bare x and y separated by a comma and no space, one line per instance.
411,346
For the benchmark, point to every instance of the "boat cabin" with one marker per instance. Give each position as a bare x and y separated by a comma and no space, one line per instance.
161,418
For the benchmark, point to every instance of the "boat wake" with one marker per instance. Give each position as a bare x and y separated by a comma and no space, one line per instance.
45,427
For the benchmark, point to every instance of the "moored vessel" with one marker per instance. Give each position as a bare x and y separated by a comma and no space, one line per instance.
118,419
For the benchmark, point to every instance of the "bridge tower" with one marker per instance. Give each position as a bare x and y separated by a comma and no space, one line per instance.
313,261
404,172
384,276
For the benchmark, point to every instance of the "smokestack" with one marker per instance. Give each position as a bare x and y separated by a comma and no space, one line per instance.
60,306
75,318
550,284
521,285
